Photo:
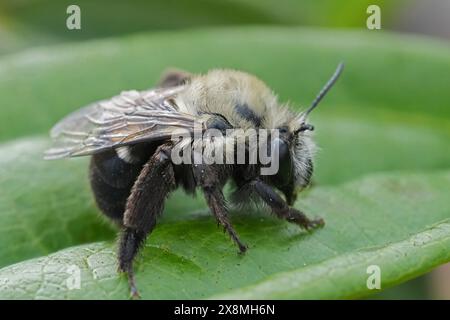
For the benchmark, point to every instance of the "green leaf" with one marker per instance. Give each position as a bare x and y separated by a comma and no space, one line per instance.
44,206
399,222
382,116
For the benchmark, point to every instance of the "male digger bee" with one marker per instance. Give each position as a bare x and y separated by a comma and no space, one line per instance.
130,138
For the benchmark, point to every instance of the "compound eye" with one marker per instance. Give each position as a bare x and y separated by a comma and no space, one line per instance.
283,149
283,176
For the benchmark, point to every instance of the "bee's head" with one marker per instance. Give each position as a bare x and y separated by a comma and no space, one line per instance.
295,157
296,149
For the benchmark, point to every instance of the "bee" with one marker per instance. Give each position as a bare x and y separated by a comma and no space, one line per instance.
130,139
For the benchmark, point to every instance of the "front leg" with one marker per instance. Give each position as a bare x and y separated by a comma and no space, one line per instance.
281,209
144,205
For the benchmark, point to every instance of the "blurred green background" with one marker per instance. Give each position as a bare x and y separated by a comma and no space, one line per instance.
26,24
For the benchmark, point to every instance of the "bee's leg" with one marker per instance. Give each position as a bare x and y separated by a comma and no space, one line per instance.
207,177
144,205
281,208
216,202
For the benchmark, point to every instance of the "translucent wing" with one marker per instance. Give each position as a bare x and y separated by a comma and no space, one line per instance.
125,119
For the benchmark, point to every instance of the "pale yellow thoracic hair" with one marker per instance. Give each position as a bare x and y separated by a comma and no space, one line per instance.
220,91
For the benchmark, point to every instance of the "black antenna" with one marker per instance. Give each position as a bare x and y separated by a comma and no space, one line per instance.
325,89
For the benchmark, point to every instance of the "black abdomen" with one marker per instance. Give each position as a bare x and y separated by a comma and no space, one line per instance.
112,178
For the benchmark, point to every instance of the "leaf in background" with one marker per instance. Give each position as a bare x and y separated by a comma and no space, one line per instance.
399,222
41,22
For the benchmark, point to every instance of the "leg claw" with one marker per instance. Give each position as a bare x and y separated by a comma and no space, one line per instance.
134,293
242,248
313,224
303,221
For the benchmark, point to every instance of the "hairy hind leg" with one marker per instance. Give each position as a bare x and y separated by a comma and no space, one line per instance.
144,205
